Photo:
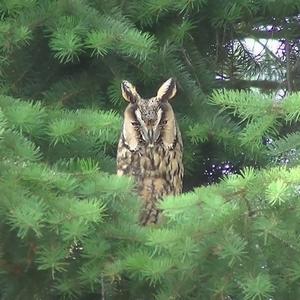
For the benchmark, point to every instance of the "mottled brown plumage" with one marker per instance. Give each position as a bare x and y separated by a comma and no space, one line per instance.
150,147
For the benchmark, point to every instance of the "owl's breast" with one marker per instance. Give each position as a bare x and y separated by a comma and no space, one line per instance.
158,171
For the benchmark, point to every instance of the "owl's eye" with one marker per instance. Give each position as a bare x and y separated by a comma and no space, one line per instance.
164,122
135,124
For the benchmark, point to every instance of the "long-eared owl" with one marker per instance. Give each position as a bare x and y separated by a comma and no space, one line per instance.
150,147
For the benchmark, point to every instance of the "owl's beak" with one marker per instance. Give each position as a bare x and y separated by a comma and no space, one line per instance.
150,135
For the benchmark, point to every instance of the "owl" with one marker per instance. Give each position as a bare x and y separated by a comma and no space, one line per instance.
150,147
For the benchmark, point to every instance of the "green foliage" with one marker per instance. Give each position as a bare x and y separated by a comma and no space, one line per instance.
52,209
25,118
261,116
259,287
67,45
69,226
100,42
205,232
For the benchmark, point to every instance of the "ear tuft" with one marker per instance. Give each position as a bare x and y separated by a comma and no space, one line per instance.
129,92
167,90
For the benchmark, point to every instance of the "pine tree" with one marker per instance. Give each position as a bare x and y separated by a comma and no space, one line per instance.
69,226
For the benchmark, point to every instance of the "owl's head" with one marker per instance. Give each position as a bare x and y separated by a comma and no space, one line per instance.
149,121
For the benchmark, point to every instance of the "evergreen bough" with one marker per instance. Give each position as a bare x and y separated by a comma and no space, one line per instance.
69,226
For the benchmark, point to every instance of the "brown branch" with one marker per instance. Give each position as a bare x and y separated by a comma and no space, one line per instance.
288,65
270,52
241,84
67,96
190,64
277,35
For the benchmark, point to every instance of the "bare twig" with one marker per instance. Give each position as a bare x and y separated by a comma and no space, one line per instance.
270,52
189,62
102,289
288,66
245,84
